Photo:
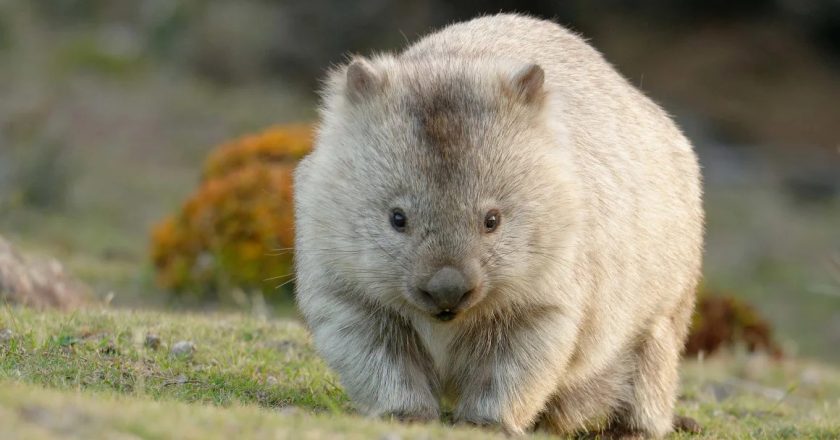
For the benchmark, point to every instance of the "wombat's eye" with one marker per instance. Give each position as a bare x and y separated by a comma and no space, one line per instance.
398,219
492,220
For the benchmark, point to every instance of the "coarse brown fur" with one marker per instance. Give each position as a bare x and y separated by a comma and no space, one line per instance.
582,295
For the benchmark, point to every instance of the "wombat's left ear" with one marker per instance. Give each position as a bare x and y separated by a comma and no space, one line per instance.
363,79
527,83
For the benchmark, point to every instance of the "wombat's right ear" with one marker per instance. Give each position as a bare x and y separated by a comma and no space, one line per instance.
362,79
527,83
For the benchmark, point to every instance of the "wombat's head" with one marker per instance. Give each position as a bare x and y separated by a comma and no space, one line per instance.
435,184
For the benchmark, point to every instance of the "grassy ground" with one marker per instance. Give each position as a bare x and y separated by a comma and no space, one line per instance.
91,373
33,413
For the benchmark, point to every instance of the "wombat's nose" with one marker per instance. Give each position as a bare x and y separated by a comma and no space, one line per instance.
447,288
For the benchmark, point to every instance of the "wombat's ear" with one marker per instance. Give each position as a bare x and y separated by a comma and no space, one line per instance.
362,79
527,83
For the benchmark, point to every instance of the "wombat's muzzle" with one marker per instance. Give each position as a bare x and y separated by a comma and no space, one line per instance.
447,289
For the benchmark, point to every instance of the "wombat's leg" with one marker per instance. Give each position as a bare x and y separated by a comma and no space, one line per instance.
380,360
589,405
651,409
511,369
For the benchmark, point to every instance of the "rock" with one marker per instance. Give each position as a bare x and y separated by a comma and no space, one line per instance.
6,334
720,391
152,341
271,380
178,380
286,346
183,349
809,376
38,284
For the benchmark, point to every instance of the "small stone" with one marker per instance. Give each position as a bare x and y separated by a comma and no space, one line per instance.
271,380
183,349
6,334
809,376
179,380
720,391
285,346
152,341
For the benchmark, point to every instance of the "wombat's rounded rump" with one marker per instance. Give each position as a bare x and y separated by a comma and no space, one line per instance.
496,217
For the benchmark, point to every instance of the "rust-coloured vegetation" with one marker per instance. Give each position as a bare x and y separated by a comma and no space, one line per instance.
237,228
723,321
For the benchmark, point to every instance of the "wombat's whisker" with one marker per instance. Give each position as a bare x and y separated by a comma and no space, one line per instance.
293,279
279,277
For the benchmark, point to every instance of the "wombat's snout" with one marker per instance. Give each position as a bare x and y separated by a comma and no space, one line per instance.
447,289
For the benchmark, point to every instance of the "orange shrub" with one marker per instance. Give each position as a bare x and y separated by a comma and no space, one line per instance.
283,144
237,228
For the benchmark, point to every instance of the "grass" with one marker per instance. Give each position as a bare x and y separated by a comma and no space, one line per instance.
236,360
34,413
90,373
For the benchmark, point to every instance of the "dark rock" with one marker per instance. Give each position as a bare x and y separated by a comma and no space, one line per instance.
152,341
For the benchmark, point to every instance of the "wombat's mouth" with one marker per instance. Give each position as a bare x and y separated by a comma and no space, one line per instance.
445,315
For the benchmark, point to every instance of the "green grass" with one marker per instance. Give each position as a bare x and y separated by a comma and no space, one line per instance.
236,360
29,412
89,374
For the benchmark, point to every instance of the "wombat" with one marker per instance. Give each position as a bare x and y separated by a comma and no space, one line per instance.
495,219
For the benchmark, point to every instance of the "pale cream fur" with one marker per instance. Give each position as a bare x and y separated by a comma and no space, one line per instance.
588,284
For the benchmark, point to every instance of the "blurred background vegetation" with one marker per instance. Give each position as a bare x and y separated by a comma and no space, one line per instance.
109,110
